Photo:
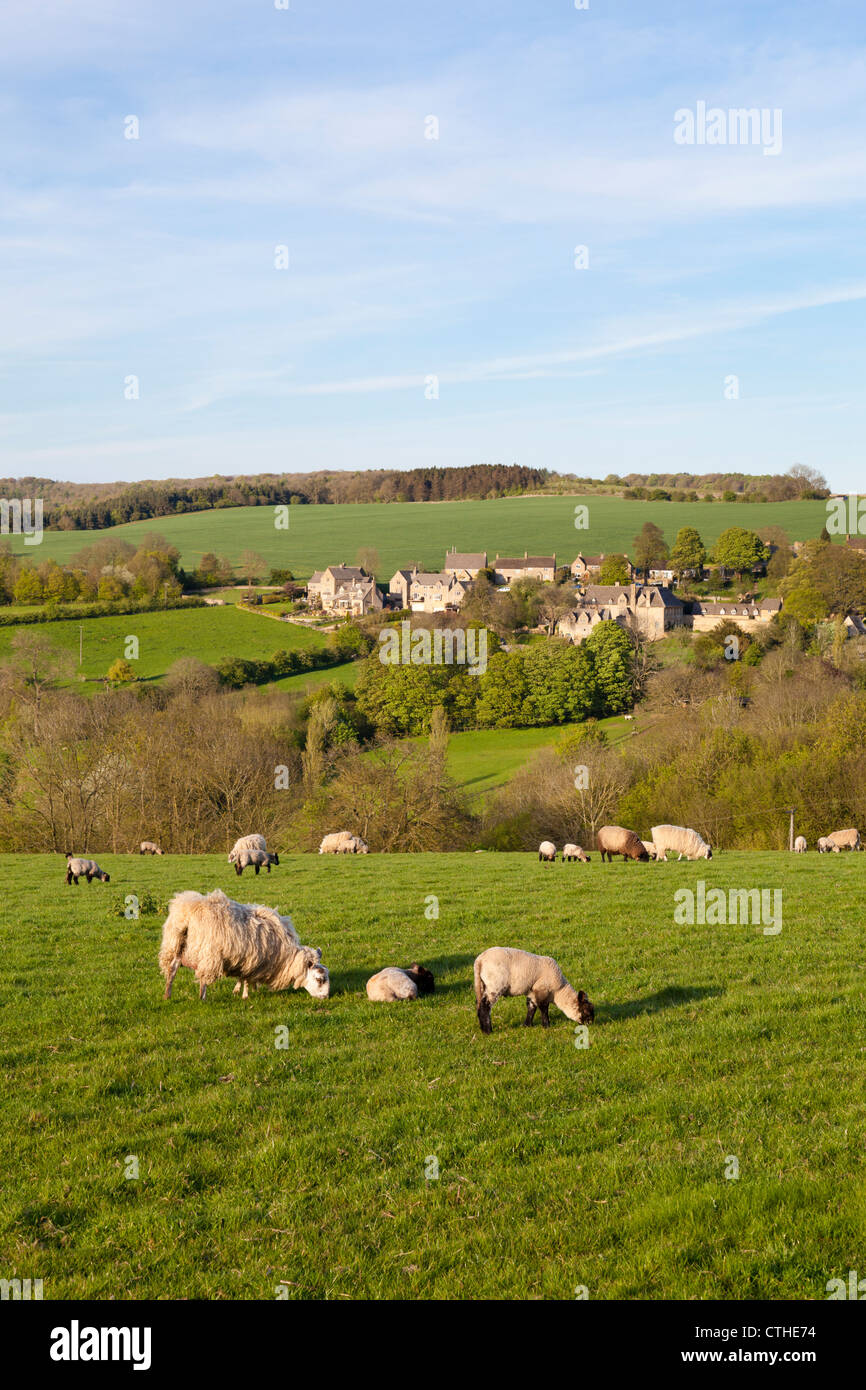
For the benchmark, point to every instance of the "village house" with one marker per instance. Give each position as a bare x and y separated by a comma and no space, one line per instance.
541,567
650,608
428,592
344,589
465,566
749,616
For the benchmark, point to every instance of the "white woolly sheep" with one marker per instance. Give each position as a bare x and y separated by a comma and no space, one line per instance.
680,841
615,839
650,849
215,936
800,845
824,846
256,859
246,842
149,847
84,868
392,983
844,839
547,852
571,852
343,842
504,970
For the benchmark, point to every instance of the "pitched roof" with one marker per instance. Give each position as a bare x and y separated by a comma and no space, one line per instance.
527,562
457,560
343,572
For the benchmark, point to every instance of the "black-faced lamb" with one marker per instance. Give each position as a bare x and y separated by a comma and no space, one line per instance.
149,847
547,852
615,839
255,858
245,843
393,983
215,936
84,868
571,852
504,970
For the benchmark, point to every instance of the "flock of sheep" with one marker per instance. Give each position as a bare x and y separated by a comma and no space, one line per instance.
674,839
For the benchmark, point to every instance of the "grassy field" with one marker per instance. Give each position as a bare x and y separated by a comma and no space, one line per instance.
482,759
404,532
309,1167
210,634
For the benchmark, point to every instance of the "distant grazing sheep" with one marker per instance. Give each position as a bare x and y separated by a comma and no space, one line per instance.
547,852
392,983
84,868
256,859
844,839
149,847
503,970
824,846
572,852
650,849
615,839
343,842
680,841
246,843
215,936
800,845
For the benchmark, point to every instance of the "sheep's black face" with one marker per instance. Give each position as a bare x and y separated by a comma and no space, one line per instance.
275,859
423,978
709,854
586,1010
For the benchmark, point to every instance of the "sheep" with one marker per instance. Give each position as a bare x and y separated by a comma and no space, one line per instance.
571,852
547,852
503,970
392,983
149,847
800,845
255,858
844,839
215,936
247,842
343,842
650,849
615,839
680,841
88,868
824,845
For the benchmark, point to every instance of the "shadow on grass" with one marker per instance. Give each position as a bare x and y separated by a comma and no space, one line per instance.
674,996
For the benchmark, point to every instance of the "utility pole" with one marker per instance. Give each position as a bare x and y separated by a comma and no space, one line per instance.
791,831
80,643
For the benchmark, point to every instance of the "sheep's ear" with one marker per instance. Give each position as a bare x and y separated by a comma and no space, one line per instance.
318,951
581,996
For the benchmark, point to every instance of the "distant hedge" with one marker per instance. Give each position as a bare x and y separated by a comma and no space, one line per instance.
237,671
55,613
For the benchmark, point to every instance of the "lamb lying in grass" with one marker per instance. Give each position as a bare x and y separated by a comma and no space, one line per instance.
84,868
503,970
392,983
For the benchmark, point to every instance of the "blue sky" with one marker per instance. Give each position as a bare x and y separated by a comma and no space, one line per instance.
411,257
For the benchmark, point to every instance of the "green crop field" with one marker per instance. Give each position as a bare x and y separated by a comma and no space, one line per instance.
394,1151
480,760
210,634
403,532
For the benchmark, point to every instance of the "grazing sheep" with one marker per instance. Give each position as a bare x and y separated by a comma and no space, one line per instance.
650,849
392,983
149,847
215,936
680,841
87,868
503,970
824,846
247,842
800,845
343,842
255,858
572,852
615,839
844,839
547,852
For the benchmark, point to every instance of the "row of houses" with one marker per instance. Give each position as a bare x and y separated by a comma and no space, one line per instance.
348,589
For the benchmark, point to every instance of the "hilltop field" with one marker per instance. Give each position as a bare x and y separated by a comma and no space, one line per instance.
405,532
705,1145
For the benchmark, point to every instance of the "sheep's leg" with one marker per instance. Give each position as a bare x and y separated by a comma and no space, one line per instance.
257,867
169,979
545,1018
238,870
202,991
531,1006
484,1015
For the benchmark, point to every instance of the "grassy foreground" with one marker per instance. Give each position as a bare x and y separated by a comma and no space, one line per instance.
558,1166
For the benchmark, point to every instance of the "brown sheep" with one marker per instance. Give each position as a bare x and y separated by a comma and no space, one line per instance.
615,839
